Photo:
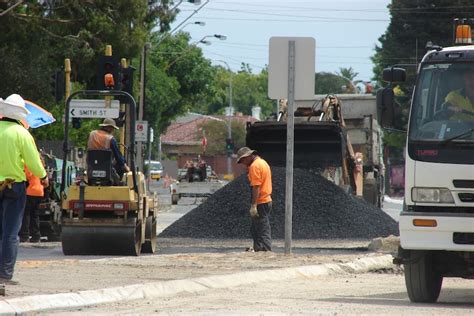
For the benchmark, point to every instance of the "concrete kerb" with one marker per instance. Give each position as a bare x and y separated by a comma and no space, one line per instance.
37,303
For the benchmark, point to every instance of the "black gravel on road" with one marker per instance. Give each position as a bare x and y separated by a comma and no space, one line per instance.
321,210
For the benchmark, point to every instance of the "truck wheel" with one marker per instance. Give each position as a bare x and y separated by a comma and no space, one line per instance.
150,236
422,281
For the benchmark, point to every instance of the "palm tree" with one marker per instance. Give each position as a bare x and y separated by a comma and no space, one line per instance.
349,75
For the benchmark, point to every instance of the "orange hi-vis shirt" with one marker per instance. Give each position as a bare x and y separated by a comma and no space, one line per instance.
99,139
261,175
35,188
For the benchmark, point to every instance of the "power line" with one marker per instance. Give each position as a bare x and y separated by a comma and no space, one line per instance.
295,16
328,20
273,6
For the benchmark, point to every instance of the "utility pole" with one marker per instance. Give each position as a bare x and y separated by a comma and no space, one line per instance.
141,105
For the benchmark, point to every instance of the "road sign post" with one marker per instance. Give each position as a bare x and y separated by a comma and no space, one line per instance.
141,131
291,76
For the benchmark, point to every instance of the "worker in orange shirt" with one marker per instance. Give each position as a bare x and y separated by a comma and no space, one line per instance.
34,194
260,178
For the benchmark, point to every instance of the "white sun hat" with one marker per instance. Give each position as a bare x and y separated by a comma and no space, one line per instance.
13,107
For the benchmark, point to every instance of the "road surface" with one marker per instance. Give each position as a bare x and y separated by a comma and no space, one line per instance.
369,294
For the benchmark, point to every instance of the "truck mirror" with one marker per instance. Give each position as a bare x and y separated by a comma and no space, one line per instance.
394,74
385,106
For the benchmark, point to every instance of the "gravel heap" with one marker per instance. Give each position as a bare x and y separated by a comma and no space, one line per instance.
321,210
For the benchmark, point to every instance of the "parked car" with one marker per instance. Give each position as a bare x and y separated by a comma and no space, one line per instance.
156,169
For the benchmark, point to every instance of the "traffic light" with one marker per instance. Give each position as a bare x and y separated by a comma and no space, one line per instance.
229,146
127,79
58,85
76,122
108,75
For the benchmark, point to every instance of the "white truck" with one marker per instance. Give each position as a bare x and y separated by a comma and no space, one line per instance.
437,221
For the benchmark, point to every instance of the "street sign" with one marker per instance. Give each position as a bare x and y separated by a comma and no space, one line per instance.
304,68
141,131
94,108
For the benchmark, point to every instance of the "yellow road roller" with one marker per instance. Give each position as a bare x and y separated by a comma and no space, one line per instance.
100,216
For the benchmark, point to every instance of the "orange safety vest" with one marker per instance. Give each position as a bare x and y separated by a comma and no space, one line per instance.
99,139
35,188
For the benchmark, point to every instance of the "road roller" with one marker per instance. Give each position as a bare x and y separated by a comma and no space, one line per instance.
99,215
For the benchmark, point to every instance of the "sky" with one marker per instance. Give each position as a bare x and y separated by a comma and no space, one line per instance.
346,31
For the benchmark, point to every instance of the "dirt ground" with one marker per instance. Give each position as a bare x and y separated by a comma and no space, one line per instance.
176,259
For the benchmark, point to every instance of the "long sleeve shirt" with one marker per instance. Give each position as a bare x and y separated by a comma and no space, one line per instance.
117,154
17,149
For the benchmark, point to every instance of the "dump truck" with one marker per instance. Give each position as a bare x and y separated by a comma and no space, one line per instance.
336,136
100,217
437,221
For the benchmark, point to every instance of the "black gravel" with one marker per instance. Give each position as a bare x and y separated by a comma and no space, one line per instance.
321,210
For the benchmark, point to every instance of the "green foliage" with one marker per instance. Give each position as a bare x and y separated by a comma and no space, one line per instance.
412,25
178,78
217,132
328,83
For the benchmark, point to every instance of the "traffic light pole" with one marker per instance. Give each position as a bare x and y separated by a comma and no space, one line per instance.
229,125
140,107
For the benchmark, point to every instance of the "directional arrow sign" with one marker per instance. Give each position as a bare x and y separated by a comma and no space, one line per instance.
94,109
94,113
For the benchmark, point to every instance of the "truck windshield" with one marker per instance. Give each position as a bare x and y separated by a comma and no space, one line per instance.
442,106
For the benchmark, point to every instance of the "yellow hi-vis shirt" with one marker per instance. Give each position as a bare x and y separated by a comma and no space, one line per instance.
457,99
17,148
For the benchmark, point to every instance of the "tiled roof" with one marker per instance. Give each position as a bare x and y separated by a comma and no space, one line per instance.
187,131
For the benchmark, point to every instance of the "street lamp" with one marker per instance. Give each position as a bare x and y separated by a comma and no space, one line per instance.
201,41
191,15
229,112
196,2
200,23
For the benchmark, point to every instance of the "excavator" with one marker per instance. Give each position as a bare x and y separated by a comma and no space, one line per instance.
100,217
322,142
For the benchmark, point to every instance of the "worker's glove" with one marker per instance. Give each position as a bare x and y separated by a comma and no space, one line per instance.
253,211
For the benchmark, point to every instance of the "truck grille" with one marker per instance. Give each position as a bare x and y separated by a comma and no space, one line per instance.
466,197
464,184
463,238
441,209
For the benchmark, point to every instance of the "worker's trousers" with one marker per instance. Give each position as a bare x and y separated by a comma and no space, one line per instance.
260,229
12,205
31,222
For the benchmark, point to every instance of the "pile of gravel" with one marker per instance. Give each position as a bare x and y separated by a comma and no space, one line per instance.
321,210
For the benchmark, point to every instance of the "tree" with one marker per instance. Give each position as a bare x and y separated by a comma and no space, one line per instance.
178,79
38,35
216,134
348,74
412,25
328,83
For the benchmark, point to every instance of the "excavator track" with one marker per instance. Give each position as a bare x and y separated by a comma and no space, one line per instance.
87,237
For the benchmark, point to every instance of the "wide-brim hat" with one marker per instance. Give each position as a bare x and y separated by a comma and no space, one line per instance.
109,122
244,152
13,107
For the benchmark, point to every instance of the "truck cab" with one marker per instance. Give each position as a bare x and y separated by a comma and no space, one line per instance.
437,221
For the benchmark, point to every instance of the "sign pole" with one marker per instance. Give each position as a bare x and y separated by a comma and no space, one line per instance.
290,124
